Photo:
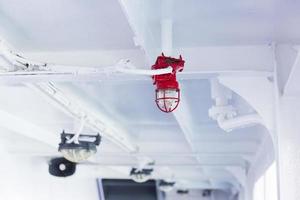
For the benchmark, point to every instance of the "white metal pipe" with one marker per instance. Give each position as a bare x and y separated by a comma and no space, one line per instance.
146,72
166,27
74,73
123,66
39,68
46,76
166,36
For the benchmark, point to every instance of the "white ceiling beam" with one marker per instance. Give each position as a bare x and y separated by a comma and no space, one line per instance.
258,58
205,132
207,165
203,137
21,126
159,155
143,36
198,146
89,58
51,72
184,119
122,172
76,109
204,58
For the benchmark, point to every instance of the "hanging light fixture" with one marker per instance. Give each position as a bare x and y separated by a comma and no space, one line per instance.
140,175
183,191
166,186
167,88
80,149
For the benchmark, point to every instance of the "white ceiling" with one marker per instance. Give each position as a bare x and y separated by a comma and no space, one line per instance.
208,23
87,32
62,25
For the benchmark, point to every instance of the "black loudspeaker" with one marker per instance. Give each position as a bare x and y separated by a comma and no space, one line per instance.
61,167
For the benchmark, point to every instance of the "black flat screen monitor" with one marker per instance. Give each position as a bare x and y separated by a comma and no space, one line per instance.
116,189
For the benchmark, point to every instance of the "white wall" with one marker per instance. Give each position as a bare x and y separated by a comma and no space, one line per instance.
266,186
24,178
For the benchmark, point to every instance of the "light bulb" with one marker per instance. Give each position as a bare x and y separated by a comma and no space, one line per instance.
78,151
167,100
140,178
78,154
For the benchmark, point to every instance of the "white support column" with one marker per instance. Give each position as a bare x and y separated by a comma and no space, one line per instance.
287,123
288,147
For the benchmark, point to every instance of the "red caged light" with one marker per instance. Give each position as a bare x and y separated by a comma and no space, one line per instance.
167,87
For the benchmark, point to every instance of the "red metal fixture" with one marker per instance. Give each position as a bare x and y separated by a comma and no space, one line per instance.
167,88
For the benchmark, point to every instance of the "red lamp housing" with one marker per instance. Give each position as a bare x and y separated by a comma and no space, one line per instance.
167,88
